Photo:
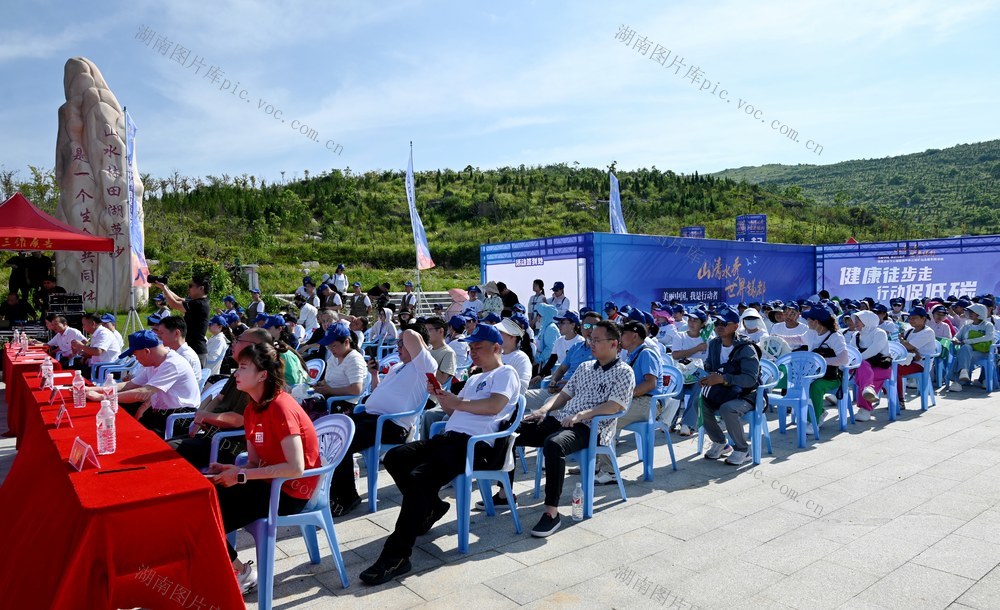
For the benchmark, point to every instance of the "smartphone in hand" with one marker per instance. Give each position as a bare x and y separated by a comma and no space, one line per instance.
433,380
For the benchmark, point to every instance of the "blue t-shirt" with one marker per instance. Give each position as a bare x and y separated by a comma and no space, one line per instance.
646,361
577,355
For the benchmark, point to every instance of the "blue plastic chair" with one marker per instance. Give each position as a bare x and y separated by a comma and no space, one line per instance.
365,390
100,371
210,392
645,431
989,366
925,383
588,464
335,433
463,482
315,367
760,434
899,355
373,454
943,363
845,404
800,368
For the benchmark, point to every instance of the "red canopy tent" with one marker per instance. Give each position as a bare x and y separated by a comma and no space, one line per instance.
25,227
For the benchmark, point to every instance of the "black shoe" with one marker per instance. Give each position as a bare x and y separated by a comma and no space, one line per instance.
384,570
339,508
546,526
435,516
902,405
498,502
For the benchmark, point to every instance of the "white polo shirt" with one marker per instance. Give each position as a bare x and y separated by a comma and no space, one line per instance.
403,388
501,380
341,374
104,339
176,383
64,341
192,358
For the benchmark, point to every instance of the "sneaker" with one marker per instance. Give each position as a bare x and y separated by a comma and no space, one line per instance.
717,450
498,502
686,431
247,577
954,386
963,376
870,394
339,508
863,415
384,570
605,478
573,470
435,516
830,400
738,458
546,526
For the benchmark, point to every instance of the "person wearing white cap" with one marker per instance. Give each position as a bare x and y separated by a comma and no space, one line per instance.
973,341
512,354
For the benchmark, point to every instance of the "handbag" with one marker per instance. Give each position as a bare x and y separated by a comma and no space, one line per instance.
982,346
879,361
832,373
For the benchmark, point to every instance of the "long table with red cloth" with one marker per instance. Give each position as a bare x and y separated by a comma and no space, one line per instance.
14,368
150,537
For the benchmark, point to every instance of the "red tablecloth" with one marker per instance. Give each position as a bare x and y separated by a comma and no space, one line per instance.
14,368
151,537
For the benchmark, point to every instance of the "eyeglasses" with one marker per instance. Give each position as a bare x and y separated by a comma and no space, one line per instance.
588,326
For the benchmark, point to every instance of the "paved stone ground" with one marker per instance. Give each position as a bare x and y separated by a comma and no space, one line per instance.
885,515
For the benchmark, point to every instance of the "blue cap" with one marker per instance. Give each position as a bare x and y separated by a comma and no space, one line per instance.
108,318
726,315
232,316
159,297
491,318
219,320
275,321
340,266
255,291
636,316
473,289
570,315
408,283
940,308
521,320
819,313
918,311
697,313
963,302
584,311
987,301
356,284
336,332
519,308
648,317
261,317
609,305
308,280
229,298
897,301
558,286
880,308
792,305
457,323
240,310
323,287
484,332
144,339
153,320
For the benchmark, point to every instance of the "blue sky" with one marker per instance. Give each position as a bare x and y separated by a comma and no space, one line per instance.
494,84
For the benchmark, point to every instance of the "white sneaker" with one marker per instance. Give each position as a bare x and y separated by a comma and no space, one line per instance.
863,415
738,458
717,450
954,386
605,478
247,578
686,431
870,394
830,400
963,376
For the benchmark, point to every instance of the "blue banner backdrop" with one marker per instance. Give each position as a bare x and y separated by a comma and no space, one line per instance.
751,227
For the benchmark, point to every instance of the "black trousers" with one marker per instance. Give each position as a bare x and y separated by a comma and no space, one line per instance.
420,469
241,505
556,443
198,450
156,419
342,487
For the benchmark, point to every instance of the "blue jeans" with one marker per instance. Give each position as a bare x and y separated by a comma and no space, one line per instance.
965,358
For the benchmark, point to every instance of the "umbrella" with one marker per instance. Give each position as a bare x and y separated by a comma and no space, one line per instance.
458,295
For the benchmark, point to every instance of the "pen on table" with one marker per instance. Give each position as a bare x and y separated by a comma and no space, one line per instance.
122,470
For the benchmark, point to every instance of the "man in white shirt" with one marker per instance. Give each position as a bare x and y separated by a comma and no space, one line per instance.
473,306
421,468
164,385
102,347
61,345
791,330
559,299
409,297
171,330
404,388
109,322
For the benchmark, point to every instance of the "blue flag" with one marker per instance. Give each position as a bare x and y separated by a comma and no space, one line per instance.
615,208
140,270
419,235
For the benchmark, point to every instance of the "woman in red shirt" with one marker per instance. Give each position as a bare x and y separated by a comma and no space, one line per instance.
281,442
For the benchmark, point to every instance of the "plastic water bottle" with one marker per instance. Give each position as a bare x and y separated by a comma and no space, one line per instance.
24,341
357,468
578,502
46,373
79,391
110,389
107,440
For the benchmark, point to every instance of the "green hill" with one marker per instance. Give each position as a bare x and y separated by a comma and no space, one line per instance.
954,190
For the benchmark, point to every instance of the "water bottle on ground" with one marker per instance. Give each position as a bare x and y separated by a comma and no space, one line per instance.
106,438
79,391
357,469
110,389
578,502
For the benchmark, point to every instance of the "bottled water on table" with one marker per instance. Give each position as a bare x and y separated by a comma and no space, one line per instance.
47,373
106,437
110,389
578,502
79,391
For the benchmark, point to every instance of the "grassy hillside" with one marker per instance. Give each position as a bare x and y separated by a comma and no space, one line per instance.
956,189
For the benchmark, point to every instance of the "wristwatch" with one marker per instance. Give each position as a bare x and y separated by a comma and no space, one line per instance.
241,476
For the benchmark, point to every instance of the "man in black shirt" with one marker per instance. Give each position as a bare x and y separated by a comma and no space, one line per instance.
196,313
508,296
48,288
14,309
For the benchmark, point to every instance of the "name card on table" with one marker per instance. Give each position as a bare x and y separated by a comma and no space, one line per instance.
64,415
80,454
56,392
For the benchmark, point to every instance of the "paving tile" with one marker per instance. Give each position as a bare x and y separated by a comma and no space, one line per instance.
791,552
961,556
916,586
985,593
820,585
